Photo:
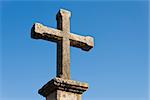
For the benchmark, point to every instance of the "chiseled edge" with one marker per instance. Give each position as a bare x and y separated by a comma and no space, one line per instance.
64,85
40,31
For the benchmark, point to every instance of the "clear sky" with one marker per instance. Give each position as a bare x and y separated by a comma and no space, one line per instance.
115,69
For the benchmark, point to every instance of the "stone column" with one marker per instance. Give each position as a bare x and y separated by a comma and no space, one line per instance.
63,89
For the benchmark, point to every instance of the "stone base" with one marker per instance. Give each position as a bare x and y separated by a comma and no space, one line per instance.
63,95
62,89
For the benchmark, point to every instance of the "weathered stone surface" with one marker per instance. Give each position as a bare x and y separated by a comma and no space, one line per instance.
64,40
63,95
61,88
40,31
63,85
52,96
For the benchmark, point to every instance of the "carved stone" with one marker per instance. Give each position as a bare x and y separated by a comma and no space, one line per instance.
64,40
63,85
61,88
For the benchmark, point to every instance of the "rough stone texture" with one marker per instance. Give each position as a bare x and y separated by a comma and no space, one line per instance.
64,40
63,85
63,95
63,89
52,96
40,31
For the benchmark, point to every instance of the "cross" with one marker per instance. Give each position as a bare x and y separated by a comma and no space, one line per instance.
64,40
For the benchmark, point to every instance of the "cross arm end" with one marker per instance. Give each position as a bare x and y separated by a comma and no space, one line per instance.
40,31
83,42
89,43
36,33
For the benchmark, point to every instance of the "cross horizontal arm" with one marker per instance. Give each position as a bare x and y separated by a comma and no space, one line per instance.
83,42
39,31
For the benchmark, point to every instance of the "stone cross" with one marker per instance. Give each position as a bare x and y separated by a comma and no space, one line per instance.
64,40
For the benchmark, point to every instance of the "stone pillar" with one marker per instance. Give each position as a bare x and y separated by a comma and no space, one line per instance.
63,89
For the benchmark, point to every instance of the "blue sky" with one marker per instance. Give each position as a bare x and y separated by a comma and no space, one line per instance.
115,69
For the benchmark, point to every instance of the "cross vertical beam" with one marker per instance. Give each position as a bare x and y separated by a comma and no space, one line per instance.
64,39
63,46
61,88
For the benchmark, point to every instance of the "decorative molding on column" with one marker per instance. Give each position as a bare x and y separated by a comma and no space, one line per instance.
64,85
